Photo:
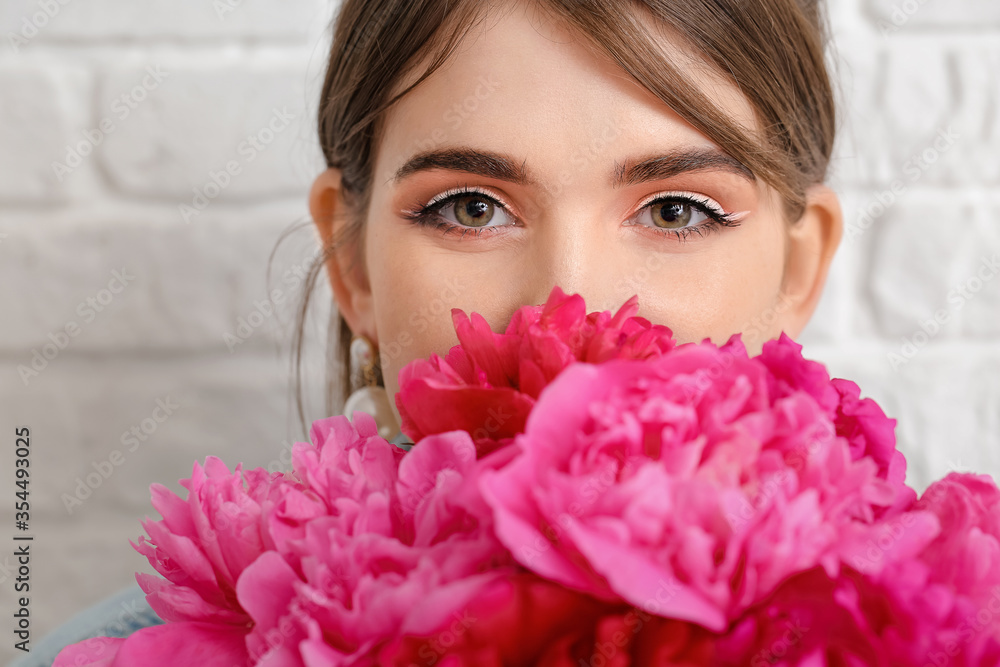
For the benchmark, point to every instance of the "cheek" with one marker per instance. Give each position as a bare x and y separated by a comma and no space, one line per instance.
730,288
412,296
699,303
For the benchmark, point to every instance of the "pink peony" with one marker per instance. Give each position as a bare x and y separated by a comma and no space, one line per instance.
321,566
203,543
526,621
379,545
949,595
168,645
201,547
966,556
512,621
938,604
583,492
488,383
869,432
813,620
701,470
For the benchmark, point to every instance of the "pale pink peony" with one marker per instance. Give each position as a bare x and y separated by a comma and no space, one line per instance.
702,470
488,383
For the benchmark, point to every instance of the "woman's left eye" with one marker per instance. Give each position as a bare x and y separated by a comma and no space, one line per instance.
680,215
671,215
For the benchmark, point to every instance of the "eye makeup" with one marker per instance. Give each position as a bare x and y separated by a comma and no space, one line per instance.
432,214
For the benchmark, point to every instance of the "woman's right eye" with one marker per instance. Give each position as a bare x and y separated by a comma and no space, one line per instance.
470,210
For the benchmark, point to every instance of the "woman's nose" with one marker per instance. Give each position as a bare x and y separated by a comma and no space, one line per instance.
568,253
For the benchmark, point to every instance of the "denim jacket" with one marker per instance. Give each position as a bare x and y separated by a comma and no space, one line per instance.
116,616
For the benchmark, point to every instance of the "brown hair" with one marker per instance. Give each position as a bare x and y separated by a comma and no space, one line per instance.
773,50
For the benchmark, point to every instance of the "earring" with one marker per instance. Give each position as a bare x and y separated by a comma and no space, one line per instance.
370,397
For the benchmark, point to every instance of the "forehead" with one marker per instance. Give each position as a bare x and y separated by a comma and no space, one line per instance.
524,82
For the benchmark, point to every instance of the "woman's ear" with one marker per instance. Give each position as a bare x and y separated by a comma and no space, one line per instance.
812,241
344,265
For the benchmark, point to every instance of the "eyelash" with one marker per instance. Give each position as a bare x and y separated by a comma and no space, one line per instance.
429,215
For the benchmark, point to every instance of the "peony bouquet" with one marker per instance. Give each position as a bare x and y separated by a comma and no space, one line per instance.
583,491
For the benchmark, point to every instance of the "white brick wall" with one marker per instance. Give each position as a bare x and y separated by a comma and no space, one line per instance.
77,86
147,106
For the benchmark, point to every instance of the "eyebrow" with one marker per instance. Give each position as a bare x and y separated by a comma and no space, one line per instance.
502,167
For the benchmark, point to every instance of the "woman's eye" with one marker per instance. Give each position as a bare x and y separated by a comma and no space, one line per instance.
671,214
474,210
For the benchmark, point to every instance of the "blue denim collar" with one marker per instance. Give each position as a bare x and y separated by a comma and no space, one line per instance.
402,441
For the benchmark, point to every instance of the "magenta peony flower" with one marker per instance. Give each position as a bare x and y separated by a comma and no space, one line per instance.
936,604
527,621
949,595
966,556
379,546
488,383
702,469
355,547
583,492
869,432
813,620
201,548
203,543
168,645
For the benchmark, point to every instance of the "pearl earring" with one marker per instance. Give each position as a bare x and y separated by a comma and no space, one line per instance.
369,397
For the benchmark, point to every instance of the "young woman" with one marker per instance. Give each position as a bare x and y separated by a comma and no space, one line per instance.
481,153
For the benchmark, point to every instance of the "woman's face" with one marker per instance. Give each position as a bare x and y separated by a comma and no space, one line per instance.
568,173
